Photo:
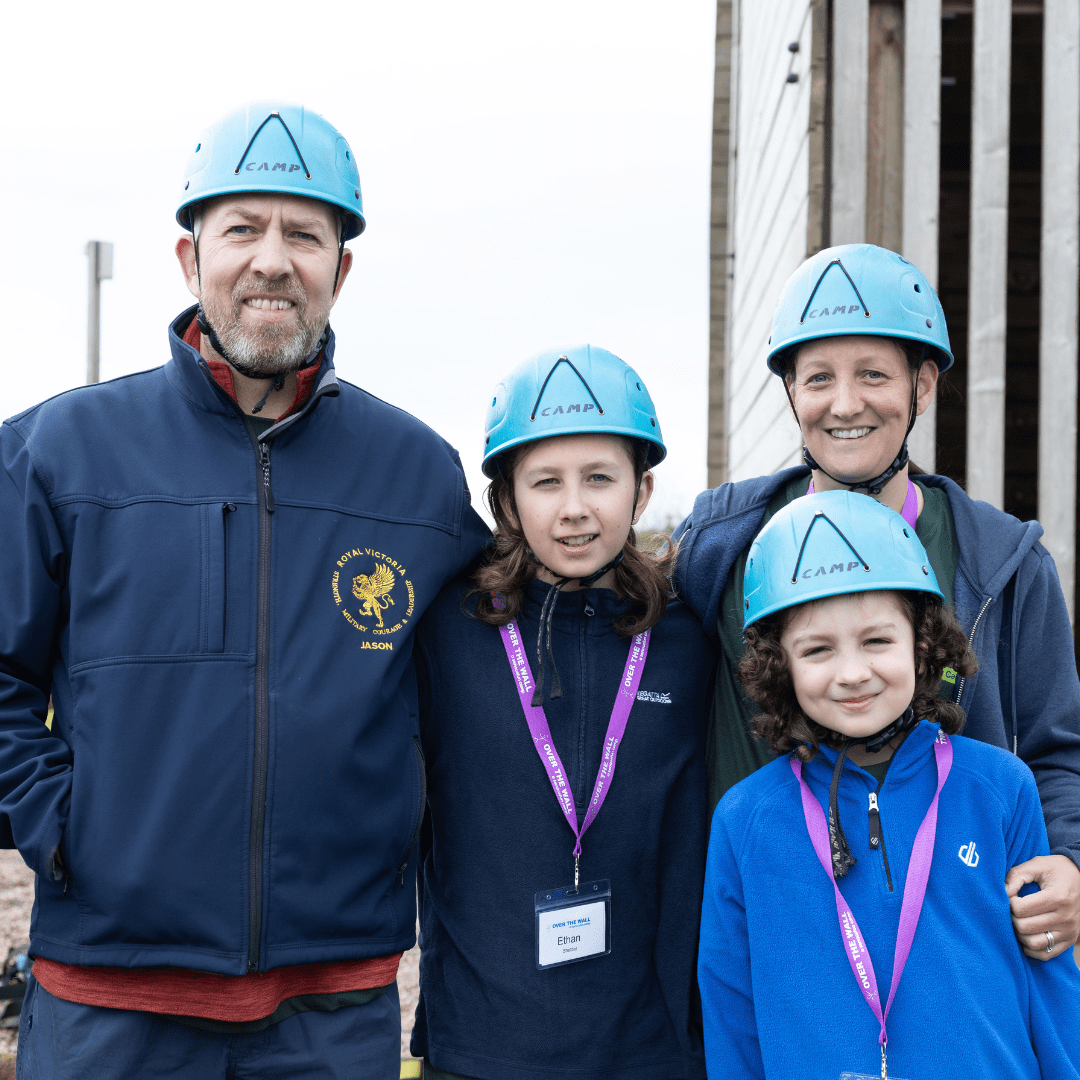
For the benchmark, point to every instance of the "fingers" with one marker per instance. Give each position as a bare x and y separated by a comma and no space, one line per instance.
1054,908
1043,946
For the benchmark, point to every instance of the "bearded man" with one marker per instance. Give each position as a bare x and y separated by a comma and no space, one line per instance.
224,812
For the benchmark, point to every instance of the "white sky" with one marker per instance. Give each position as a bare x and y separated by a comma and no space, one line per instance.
534,174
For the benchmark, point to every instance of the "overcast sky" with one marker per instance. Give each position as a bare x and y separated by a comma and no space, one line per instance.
534,174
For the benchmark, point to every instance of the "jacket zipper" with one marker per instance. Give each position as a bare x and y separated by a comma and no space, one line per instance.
971,638
262,713
226,509
877,837
262,668
420,815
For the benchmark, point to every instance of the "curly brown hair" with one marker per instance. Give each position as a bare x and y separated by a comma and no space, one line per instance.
643,577
939,643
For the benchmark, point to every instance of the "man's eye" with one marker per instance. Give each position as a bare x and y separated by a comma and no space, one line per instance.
306,237
818,379
240,230
599,478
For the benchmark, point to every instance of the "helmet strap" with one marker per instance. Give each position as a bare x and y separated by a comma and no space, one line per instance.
842,859
277,378
875,485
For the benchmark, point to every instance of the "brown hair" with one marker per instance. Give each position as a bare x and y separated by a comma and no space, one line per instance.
939,643
643,577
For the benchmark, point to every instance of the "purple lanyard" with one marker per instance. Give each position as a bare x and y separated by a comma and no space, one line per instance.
918,872
910,511
545,744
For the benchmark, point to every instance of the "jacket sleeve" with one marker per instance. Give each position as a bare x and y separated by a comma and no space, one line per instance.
732,1048
1053,985
1046,693
35,765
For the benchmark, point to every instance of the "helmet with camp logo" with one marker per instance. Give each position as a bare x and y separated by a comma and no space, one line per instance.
576,390
278,149
831,543
858,289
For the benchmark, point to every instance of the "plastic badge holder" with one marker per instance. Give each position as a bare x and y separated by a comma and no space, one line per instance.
863,1076
573,925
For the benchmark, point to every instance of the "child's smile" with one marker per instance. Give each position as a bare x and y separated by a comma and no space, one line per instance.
852,661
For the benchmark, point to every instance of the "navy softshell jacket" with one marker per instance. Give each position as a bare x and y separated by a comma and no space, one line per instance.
225,625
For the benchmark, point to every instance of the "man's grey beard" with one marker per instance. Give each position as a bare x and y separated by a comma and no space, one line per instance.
267,349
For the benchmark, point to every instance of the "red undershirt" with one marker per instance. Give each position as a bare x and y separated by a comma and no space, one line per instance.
182,991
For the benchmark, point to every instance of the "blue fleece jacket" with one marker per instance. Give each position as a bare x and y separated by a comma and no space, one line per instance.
1025,696
225,626
497,836
778,995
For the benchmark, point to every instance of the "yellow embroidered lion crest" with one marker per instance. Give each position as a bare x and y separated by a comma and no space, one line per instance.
372,591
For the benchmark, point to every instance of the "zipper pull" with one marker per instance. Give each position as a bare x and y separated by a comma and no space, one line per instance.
401,873
264,460
875,822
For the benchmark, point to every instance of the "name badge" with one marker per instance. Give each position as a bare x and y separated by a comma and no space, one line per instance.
573,924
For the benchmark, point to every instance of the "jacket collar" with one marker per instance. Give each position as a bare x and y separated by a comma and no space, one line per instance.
190,376
906,762
570,606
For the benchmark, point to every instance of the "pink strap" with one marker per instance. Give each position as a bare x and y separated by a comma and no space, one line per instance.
541,733
909,513
922,853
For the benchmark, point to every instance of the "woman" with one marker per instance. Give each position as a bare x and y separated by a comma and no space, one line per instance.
859,340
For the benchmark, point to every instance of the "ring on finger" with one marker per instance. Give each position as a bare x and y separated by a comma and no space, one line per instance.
1049,940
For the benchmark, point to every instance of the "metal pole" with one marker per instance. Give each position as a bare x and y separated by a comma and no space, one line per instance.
99,255
1060,249
987,285
93,313
851,76
922,173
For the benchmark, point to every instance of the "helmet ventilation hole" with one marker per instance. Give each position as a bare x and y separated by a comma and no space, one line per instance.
929,323
198,148
917,289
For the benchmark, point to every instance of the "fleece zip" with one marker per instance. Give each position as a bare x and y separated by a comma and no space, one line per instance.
1025,696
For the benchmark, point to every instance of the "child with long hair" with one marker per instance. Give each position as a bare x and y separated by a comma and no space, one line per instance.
856,920
563,698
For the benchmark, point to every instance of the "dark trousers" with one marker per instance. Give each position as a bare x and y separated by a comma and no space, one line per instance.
59,1040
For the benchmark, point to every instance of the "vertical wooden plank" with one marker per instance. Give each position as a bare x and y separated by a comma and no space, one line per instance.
720,246
1060,251
850,76
922,173
819,143
885,125
989,249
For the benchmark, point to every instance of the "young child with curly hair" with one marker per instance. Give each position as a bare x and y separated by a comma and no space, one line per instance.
856,922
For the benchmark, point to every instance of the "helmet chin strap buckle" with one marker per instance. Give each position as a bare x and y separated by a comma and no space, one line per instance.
873,486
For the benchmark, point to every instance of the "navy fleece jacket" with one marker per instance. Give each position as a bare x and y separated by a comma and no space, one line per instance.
496,836
1025,696
780,1000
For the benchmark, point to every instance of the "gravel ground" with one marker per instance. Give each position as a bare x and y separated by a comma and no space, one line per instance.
17,897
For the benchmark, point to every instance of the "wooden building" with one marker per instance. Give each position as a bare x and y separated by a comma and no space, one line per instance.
948,130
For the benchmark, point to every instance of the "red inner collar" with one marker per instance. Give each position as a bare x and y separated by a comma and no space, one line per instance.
223,374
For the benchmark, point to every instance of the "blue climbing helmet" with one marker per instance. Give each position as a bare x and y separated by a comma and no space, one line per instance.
282,149
831,543
577,390
859,289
